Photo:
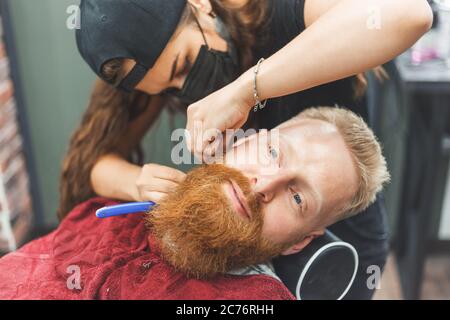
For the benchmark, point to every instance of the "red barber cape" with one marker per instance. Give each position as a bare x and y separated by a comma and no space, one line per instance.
113,258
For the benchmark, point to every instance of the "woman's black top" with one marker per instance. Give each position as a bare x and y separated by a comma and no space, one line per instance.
286,21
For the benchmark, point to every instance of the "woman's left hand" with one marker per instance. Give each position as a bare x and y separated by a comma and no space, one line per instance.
227,108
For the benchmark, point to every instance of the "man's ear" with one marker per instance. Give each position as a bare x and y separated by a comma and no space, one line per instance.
299,246
202,5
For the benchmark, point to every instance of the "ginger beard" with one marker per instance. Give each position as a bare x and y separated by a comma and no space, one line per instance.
199,232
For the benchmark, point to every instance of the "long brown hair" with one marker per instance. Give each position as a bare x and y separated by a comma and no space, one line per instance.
104,122
110,110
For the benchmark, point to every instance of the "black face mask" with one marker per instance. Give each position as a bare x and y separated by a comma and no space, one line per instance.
211,71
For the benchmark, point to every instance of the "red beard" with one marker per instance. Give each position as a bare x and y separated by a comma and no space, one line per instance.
199,232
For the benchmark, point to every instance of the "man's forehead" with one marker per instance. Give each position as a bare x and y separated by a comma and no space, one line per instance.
309,127
303,127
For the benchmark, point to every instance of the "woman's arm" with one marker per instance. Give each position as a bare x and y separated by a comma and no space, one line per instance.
342,39
114,177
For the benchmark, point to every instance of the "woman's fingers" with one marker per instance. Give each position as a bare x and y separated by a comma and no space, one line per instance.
201,131
153,196
160,185
162,172
156,181
216,148
171,174
205,139
209,117
193,122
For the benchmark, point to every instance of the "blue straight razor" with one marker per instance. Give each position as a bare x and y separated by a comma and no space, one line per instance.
126,208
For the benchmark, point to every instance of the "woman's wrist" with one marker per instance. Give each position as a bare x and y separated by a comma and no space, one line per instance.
244,87
132,188
122,184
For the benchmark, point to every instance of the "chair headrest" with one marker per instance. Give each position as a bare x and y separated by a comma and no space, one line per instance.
324,270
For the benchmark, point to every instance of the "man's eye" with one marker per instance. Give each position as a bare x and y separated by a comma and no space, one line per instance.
273,153
186,67
298,199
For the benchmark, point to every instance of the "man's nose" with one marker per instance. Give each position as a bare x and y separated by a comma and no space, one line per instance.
266,186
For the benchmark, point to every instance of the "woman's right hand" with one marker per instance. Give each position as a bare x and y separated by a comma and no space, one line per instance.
155,182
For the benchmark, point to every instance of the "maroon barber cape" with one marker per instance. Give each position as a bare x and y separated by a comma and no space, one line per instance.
113,258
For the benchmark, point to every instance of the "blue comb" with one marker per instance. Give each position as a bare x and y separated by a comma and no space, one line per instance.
126,208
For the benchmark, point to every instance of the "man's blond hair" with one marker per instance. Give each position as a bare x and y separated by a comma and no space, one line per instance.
365,150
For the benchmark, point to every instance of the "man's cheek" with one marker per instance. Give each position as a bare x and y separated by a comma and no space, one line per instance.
278,227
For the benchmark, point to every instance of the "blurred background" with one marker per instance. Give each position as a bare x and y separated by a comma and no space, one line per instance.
45,85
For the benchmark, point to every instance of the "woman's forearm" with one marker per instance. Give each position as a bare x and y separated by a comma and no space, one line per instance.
342,42
113,177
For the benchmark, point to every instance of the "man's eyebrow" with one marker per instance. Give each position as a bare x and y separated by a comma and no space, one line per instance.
174,67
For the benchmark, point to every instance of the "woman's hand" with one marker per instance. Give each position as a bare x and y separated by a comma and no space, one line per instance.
156,181
227,108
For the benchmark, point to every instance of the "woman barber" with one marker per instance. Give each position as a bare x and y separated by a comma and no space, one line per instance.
202,55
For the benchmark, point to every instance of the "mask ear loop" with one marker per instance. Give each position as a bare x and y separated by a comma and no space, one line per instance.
201,30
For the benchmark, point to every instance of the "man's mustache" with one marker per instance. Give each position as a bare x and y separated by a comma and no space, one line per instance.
243,199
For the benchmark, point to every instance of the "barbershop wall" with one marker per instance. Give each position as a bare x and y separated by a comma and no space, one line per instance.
15,204
56,85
